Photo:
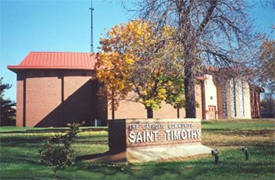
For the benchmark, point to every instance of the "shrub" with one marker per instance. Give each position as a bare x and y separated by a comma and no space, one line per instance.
57,151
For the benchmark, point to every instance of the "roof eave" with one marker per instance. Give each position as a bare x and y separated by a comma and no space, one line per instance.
18,67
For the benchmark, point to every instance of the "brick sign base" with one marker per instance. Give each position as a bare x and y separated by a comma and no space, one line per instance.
141,140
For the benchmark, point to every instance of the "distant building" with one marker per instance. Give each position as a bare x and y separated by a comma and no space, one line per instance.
55,88
268,105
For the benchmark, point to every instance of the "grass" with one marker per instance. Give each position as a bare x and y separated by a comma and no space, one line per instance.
19,154
14,129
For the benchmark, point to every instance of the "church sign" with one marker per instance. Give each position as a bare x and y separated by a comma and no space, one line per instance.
143,133
135,136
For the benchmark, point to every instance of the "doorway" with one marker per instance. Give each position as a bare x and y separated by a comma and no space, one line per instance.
211,112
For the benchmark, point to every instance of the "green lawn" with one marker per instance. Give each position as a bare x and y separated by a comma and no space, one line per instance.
19,154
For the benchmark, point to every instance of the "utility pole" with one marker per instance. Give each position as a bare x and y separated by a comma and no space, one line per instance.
92,38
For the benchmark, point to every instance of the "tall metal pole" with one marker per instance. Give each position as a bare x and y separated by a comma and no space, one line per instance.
94,121
92,38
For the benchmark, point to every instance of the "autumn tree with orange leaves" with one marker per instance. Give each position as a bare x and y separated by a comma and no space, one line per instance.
136,59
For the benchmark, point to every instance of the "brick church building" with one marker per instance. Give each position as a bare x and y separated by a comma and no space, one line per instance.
55,88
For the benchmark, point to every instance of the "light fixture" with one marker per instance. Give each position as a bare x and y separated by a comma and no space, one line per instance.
215,153
245,150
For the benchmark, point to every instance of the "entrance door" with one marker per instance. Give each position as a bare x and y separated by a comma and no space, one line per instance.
211,112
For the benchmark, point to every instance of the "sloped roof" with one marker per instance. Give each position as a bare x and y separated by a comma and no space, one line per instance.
57,60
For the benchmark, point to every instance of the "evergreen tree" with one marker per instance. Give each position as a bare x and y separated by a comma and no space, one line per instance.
7,113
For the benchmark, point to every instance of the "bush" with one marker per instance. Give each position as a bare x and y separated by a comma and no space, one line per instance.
57,151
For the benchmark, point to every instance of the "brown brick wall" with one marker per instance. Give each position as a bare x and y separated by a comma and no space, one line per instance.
79,98
54,98
129,109
19,99
43,96
166,111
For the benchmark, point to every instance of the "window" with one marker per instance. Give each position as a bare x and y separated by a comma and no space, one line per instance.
224,104
233,97
241,98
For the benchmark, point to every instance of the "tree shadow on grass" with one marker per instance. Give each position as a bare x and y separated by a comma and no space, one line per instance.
91,156
23,141
106,169
268,132
240,144
54,130
100,139
231,161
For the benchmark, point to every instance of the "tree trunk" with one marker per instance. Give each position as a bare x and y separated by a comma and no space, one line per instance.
178,113
149,112
113,106
189,83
